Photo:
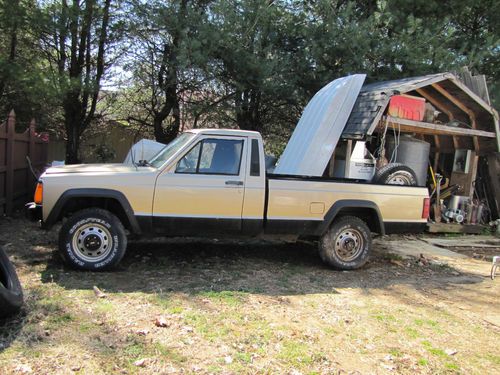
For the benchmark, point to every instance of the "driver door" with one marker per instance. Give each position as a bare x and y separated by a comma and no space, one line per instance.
204,193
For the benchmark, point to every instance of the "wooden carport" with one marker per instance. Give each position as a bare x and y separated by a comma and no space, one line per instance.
465,121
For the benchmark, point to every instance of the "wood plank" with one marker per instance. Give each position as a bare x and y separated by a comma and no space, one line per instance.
494,175
348,158
462,107
9,161
433,129
454,228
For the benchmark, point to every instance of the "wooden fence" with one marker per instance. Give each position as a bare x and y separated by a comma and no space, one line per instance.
17,181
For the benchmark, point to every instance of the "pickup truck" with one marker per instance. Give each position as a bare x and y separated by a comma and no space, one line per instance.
213,182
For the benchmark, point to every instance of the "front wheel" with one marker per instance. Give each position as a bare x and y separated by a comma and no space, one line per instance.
347,244
92,239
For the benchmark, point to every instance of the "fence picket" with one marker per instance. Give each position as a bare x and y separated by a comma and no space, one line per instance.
15,175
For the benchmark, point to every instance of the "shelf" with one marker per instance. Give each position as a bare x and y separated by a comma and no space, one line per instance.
411,126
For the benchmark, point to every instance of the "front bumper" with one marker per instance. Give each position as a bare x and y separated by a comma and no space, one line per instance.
33,211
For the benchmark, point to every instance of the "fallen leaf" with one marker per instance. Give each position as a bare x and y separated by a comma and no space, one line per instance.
388,367
142,332
162,322
141,362
451,351
99,293
397,262
23,369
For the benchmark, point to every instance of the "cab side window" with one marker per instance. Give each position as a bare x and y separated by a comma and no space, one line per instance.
213,156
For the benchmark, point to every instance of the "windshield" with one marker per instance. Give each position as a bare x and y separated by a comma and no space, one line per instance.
160,158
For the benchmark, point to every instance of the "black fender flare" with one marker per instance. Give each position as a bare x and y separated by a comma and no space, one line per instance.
92,193
350,203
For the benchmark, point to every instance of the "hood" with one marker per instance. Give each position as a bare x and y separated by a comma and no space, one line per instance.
319,129
95,168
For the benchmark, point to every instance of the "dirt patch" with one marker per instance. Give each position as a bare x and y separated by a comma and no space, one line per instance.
481,253
246,307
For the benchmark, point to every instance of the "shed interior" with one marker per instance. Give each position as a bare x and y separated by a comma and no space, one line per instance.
461,128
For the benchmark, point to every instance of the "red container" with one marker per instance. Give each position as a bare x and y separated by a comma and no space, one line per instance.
408,107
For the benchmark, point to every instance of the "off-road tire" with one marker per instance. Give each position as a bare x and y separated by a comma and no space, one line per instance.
396,174
11,293
335,244
98,229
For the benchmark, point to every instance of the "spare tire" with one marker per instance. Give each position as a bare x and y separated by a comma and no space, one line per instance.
11,293
395,174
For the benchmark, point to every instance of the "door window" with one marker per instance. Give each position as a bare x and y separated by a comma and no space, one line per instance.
213,156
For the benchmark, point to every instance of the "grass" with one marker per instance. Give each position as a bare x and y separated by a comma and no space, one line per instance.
268,308
295,353
227,297
434,351
422,362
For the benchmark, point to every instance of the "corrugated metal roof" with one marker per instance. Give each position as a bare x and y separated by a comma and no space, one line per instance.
320,127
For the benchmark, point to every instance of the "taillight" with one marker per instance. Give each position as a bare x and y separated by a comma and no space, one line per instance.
38,193
426,208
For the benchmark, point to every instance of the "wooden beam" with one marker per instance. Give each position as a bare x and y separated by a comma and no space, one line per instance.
442,107
348,158
420,127
462,107
436,162
455,228
437,151
436,102
331,165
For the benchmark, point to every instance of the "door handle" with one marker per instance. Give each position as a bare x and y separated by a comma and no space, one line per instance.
234,183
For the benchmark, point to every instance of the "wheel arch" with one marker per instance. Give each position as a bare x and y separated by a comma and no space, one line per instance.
114,201
368,211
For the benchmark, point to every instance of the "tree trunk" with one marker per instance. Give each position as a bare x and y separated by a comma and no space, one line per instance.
72,121
160,135
248,110
72,147
85,71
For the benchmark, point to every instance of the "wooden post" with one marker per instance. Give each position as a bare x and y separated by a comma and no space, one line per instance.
348,158
9,175
494,175
331,164
31,151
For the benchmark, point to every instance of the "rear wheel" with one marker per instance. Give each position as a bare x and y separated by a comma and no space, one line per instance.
92,239
347,244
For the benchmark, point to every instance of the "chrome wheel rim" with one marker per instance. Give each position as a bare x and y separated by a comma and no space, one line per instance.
399,179
349,244
92,242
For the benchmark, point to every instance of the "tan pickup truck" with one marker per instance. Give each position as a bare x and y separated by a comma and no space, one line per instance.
213,182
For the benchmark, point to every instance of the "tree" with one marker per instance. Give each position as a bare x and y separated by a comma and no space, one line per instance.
76,40
166,62
22,67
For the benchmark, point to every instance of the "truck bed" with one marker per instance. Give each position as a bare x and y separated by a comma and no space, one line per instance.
306,203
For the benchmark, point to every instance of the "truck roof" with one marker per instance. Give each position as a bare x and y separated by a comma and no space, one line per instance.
227,132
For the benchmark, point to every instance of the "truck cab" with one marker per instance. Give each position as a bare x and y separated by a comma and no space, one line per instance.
215,184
